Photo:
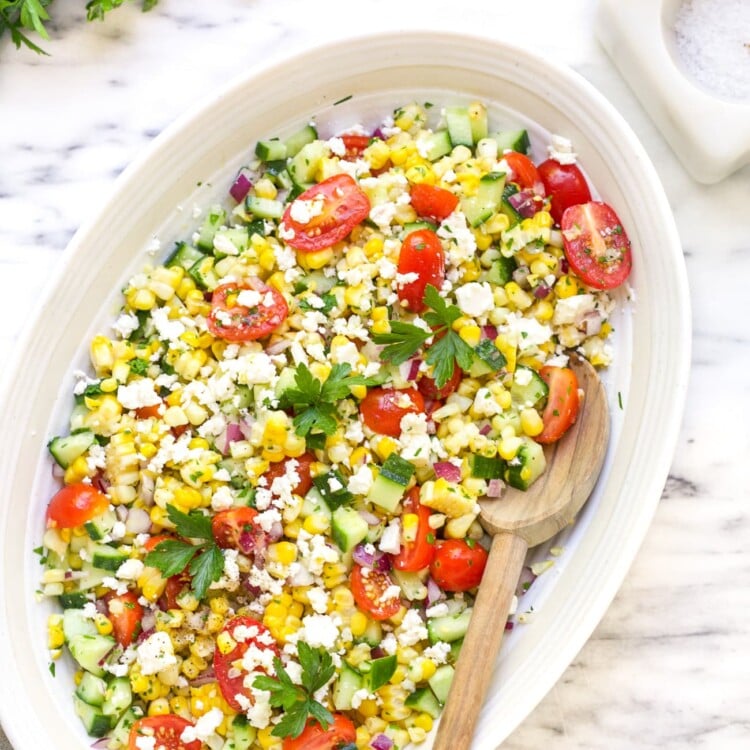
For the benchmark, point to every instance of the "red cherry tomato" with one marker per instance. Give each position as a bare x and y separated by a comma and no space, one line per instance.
421,254
355,144
433,202
302,469
458,565
232,321
149,412
382,409
166,730
525,174
596,245
245,632
562,403
235,529
340,733
125,613
565,184
419,553
428,387
75,504
369,586
335,206
174,589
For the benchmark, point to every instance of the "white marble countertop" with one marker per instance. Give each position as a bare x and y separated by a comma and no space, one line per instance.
667,665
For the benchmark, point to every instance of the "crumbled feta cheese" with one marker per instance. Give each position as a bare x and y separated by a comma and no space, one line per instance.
304,211
411,630
573,310
139,393
222,499
155,653
145,742
249,298
320,631
337,146
561,150
224,245
204,728
318,598
126,324
475,299
390,540
168,330
130,569
360,482
437,652
485,404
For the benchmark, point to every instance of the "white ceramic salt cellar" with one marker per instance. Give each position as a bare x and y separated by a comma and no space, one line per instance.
709,134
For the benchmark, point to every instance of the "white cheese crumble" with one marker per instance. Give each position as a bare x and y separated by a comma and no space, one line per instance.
561,150
475,299
155,653
204,727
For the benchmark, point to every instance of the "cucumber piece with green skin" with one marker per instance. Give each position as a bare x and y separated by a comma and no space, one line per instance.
488,354
453,654
75,623
332,488
271,150
120,736
314,503
118,697
91,689
73,600
478,120
482,206
102,525
377,672
304,165
373,634
501,271
506,207
301,138
397,469
264,208
528,388
459,126
483,467
348,528
94,721
67,449
107,557
448,628
348,683
440,682
233,239
184,256
90,650
511,140
242,735
411,584
436,145
91,577
215,217
527,466
203,274
424,701
386,493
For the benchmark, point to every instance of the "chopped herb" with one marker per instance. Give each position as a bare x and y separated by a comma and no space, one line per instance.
138,366
52,668
619,399
342,100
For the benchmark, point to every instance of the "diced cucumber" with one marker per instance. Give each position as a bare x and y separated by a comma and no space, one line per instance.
483,467
528,388
373,634
73,600
455,651
348,683
67,449
264,208
449,628
411,584
77,417
301,138
332,488
511,140
385,493
437,145
94,721
415,226
423,700
91,689
506,207
378,672
478,120
271,150
501,271
91,577
238,237
215,217
487,353
184,256
107,557
203,274
480,207
441,681
314,503
304,165
287,380
242,735
120,736
317,282
459,126
102,525
90,650
76,623
527,466
118,697
397,469
348,528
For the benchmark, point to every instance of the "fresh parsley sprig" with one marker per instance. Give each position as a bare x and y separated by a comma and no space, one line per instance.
297,700
405,339
314,402
204,561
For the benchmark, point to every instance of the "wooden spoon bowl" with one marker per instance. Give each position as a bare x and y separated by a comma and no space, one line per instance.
517,521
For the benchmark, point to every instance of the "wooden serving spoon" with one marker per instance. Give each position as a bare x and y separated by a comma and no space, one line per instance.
517,521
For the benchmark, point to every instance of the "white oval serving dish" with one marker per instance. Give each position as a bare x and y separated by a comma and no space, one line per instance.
154,197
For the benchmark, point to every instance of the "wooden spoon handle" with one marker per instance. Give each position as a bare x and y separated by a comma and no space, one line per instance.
482,642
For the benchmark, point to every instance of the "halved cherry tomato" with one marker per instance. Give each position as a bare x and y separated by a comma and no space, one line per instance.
302,469
562,403
596,244
428,387
458,565
174,589
125,613
340,733
433,202
235,528
331,210
166,730
355,144
525,174
245,632
149,412
153,541
382,409
421,254
75,504
368,587
565,184
232,321
419,553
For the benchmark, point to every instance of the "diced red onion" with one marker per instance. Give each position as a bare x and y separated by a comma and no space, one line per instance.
278,347
521,276
361,556
57,471
230,434
486,429
371,518
376,652
541,290
434,592
148,621
138,521
105,659
525,580
539,189
508,625
100,482
490,332
144,635
246,426
495,487
101,744
413,369
378,133
121,511
206,676
527,202
240,187
381,742
276,532
564,266
448,471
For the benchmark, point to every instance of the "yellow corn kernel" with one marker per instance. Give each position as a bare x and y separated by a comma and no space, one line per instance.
316,523
264,188
377,154
508,447
543,311
471,334
497,223
196,303
358,624
158,707
103,624
316,260
334,574
384,447
266,740
517,296
566,286
368,708
544,219
193,666
180,705
483,241
283,552
77,470
219,605
140,299
292,529
423,721
381,326
531,422
55,635
101,354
